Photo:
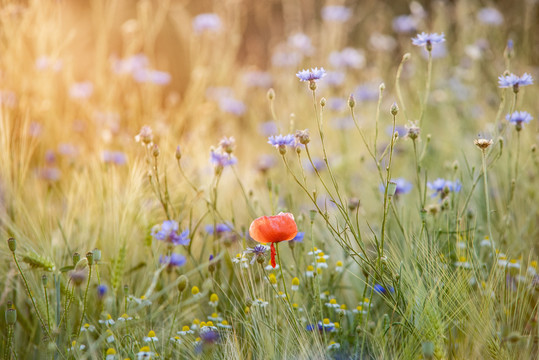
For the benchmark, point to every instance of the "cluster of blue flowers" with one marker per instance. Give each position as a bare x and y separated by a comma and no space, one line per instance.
168,232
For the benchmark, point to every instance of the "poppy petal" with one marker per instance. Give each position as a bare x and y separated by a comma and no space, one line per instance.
271,229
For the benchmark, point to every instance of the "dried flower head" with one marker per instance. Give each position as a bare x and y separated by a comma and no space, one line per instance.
483,144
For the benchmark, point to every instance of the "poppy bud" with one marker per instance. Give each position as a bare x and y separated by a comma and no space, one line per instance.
11,316
76,258
12,243
351,101
90,258
183,282
97,255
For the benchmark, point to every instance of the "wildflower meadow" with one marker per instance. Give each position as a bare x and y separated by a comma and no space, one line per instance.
269,179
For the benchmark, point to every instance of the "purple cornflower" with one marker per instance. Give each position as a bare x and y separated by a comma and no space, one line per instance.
265,162
299,237
427,40
325,325
114,157
206,22
518,118
209,335
256,78
443,187
151,76
404,24
101,291
282,58
514,81
367,92
490,16
301,42
403,186
282,141
336,13
335,78
130,64
259,251
232,106
81,90
219,228
50,173
168,232
268,128
219,159
347,58
312,74
337,104
174,260
382,290
68,150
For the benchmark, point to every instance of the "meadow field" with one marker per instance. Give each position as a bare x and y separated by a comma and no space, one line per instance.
272,179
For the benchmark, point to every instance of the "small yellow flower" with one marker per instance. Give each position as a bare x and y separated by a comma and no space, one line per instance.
195,290
214,300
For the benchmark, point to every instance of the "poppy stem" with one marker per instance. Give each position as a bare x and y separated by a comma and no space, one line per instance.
282,276
273,264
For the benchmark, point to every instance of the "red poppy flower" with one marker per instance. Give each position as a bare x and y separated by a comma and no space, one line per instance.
273,229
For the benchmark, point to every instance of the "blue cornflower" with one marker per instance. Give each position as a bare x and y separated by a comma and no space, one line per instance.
209,22
151,76
518,118
440,186
173,260
299,237
403,186
282,141
336,13
81,90
219,228
427,40
232,106
326,325
101,291
382,290
404,24
221,160
347,58
311,75
259,251
114,157
168,232
514,81
490,16
209,334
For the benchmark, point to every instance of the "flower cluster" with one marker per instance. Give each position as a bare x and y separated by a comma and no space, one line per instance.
168,232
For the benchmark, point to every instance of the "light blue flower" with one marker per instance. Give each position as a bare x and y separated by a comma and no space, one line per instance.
311,75
514,81
427,40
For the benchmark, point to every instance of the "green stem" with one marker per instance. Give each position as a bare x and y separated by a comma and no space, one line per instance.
47,304
427,90
178,303
387,199
487,200
81,322
45,329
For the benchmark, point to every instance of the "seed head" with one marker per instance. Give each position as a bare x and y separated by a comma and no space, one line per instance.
483,144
